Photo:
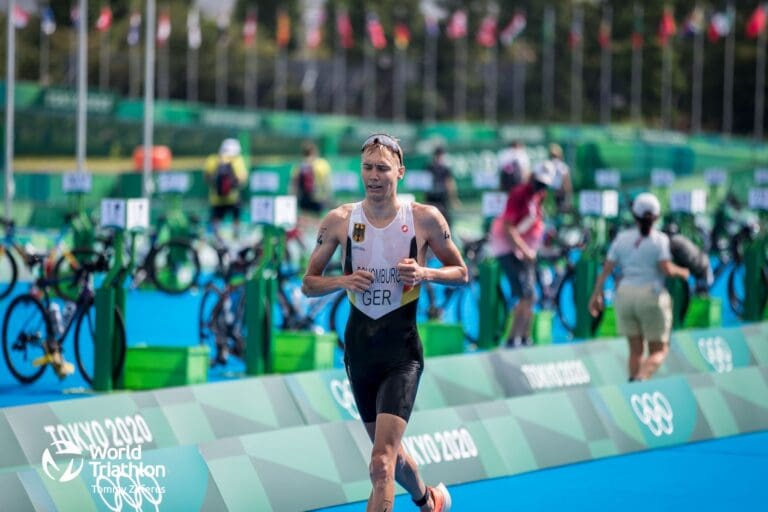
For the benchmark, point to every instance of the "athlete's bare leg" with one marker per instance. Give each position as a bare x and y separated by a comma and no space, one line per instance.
383,433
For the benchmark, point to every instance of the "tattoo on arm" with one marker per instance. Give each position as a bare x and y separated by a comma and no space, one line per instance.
446,234
321,236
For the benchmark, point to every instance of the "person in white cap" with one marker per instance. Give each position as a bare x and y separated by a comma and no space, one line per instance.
515,238
643,305
226,175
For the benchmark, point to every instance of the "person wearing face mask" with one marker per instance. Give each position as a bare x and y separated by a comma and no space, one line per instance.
643,305
515,238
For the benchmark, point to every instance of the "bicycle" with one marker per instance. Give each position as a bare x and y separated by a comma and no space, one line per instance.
34,324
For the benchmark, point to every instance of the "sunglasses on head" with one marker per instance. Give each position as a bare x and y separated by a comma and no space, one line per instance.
386,141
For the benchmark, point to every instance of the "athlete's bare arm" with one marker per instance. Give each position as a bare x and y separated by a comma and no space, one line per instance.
433,230
333,229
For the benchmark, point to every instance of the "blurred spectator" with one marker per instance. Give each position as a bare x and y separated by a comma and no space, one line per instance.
444,194
643,305
516,236
311,181
514,166
226,175
561,182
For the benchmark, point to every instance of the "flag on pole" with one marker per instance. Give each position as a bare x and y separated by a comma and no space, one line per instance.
457,25
667,26
222,24
314,18
134,29
47,21
575,36
344,29
104,21
250,27
513,29
402,35
20,17
638,29
376,32
283,34
694,23
194,36
719,26
486,34
163,27
604,33
756,22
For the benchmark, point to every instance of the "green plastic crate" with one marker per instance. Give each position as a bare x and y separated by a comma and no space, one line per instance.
298,351
541,329
439,339
704,312
157,367
608,327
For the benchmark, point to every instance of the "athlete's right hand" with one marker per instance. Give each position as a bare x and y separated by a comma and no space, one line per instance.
358,281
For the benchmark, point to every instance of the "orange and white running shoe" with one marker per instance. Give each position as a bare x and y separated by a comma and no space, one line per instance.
441,498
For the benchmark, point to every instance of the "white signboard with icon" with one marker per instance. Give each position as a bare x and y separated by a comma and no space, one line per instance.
112,213
77,182
173,182
137,213
688,201
600,203
265,181
607,178
761,176
274,210
493,203
419,181
662,178
758,198
715,177
344,181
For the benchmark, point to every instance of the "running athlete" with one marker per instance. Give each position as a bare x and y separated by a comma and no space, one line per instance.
384,242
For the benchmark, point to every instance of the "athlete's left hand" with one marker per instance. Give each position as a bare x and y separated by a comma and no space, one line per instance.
411,273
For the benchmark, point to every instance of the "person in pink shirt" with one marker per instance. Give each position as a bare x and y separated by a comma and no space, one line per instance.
515,238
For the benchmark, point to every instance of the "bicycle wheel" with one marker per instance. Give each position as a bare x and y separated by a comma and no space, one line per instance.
565,302
736,289
9,272
65,272
339,315
174,266
26,327
85,335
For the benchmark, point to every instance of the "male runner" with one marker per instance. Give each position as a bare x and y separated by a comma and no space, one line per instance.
384,243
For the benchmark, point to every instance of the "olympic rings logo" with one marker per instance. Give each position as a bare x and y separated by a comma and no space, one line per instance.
717,353
654,411
124,489
342,393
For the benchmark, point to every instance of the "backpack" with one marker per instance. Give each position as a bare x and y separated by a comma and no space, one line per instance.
686,254
306,178
226,181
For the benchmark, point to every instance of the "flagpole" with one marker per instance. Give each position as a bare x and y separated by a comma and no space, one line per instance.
45,52
460,78
637,73
340,78
666,86
222,71
149,96
192,73
728,72
518,98
10,107
82,84
605,70
491,84
163,85
369,94
280,77
698,70
430,76
760,85
398,109
104,61
577,56
251,83
309,83
134,66
548,64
